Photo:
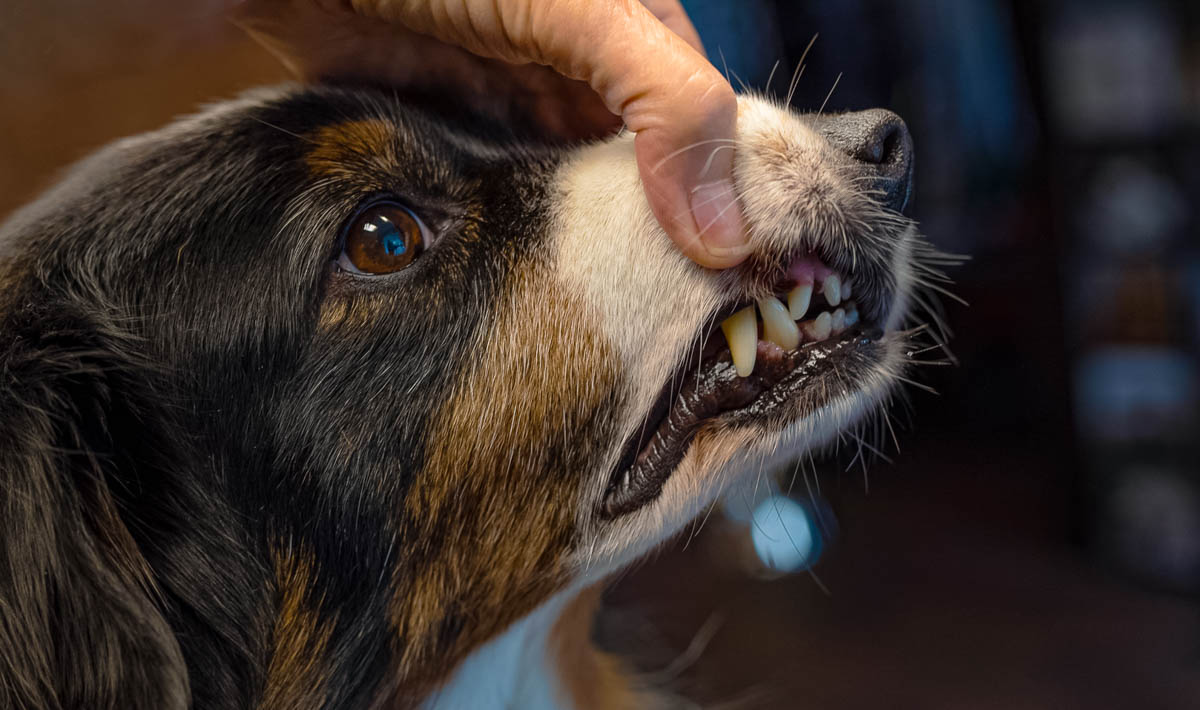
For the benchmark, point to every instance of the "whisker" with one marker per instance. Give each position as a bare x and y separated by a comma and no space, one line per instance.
690,655
924,350
741,83
887,420
686,148
933,363
725,66
283,130
812,498
711,156
767,88
916,384
799,70
830,94
873,449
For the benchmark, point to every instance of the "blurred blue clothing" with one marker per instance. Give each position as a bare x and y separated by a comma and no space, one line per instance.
741,37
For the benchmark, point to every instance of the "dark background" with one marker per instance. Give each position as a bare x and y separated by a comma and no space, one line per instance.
1036,542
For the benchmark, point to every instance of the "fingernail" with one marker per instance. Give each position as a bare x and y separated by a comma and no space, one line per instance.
719,219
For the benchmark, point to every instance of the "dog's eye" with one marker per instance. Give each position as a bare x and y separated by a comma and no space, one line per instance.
383,239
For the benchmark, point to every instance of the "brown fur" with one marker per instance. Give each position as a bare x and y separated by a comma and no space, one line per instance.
339,148
296,673
490,462
344,311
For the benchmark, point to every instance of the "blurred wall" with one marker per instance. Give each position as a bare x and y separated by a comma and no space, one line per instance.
76,74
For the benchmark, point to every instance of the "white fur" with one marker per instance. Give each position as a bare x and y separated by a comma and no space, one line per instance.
651,302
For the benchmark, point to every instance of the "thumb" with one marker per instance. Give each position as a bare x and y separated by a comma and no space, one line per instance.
683,111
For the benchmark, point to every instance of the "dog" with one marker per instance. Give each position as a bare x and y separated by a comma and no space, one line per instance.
330,398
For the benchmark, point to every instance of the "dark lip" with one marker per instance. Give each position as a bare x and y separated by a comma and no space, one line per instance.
705,389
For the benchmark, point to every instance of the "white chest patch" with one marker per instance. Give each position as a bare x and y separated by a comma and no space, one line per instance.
510,672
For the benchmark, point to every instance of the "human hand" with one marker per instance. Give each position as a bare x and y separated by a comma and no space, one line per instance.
573,65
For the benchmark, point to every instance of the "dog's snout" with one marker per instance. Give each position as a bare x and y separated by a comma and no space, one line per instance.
881,148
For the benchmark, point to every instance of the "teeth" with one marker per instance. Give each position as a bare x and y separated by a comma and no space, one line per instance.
818,328
778,327
832,289
798,301
741,332
779,321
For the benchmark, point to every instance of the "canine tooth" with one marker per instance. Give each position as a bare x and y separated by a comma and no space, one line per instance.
832,289
818,328
799,299
851,316
839,321
741,332
778,326
846,290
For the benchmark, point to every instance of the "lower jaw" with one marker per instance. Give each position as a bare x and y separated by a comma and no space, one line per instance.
784,387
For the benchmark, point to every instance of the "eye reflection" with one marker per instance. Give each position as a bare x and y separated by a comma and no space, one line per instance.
385,238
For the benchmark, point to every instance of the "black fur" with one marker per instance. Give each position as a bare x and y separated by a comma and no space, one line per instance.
168,397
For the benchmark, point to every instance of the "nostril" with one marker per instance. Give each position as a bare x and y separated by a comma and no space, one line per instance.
880,148
884,142
890,144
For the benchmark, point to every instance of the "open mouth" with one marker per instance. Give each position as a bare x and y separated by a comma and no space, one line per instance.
767,356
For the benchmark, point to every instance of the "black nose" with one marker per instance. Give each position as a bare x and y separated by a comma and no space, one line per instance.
881,148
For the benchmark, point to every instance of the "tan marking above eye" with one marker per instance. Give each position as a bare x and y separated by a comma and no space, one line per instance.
383,239
342,149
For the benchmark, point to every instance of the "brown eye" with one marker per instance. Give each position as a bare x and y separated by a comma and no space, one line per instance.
383,239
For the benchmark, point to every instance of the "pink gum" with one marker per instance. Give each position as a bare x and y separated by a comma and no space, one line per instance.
808,269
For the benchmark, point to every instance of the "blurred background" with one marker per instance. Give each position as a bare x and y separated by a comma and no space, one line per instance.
1035,542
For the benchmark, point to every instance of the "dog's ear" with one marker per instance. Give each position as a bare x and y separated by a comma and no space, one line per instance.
80,619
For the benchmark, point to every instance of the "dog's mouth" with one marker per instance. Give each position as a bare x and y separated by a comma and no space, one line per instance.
755,362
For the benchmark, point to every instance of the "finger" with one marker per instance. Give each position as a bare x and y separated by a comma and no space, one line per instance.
668,93
672,14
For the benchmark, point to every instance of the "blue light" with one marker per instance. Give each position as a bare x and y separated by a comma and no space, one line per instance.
785,534
392,241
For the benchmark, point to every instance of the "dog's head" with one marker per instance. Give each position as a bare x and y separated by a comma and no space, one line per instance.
308,395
